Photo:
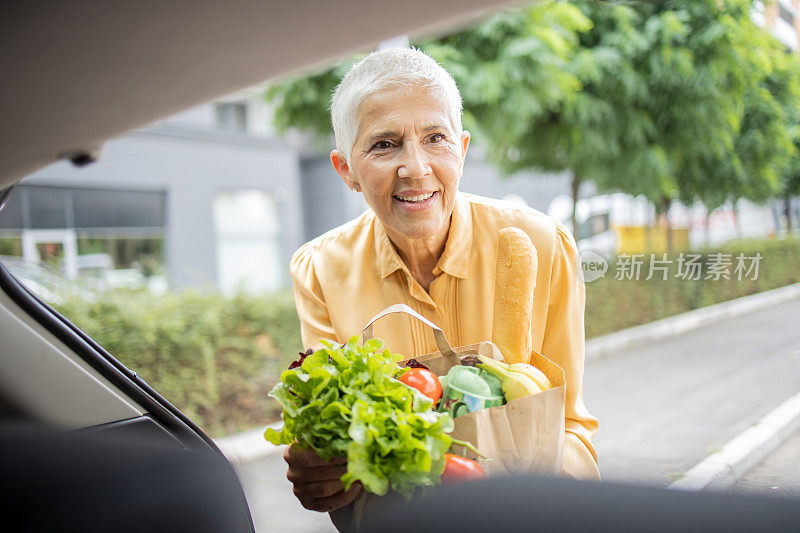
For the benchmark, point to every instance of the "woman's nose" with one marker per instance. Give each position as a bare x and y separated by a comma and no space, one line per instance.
414,162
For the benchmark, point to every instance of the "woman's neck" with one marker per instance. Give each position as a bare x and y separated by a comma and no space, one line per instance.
420,255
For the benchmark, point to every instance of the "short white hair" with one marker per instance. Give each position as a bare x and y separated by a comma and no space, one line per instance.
384,69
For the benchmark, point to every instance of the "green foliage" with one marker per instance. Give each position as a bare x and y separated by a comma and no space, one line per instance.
787,86
304,102
647,300
664,99
679,98
212,357
753,88
11,246
348,400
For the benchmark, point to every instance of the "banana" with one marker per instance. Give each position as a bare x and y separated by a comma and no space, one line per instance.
532,372
515,384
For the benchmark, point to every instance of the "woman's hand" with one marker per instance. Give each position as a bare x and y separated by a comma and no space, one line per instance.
317,482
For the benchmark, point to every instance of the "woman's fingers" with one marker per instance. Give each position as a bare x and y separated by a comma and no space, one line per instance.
316,474
336,501
296,456
317,483
318,490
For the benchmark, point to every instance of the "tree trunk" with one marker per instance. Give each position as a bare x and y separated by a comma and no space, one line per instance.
787,211
736,222
575,186
665,203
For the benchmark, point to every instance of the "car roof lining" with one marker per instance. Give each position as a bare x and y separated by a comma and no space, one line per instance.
77,74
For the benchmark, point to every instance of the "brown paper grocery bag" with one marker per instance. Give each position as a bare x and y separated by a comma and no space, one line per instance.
522,436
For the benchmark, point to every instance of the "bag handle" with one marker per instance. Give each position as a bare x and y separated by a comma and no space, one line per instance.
438,334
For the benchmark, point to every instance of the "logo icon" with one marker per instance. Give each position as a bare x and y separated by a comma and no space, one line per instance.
593,266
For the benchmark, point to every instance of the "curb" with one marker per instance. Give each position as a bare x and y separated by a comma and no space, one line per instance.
248,446
599,347
723,469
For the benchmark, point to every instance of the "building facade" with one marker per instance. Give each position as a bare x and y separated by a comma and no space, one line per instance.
209,197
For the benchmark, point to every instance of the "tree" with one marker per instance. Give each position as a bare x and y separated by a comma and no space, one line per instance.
788,79
515,64
678,99
520,73
735,91
751,93
303,102
675,99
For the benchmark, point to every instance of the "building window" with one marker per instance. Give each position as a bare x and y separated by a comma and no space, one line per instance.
248,240
231,115
115,236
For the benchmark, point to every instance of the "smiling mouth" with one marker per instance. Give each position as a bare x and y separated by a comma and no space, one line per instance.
415,199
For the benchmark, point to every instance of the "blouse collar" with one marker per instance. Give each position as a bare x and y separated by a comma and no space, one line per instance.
455,258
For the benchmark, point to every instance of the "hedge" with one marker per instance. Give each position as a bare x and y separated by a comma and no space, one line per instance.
613,304
215,358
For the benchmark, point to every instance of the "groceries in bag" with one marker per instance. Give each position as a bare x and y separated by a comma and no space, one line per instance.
350,400
479,382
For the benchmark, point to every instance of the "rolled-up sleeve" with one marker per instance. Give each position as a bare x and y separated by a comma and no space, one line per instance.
315,322
564,344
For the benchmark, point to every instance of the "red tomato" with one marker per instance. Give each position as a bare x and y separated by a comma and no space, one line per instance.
424,381
459,468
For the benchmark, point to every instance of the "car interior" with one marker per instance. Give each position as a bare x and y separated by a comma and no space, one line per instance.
87,72
82,435
81,73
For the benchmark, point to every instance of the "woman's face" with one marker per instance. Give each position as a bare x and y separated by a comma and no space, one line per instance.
407,160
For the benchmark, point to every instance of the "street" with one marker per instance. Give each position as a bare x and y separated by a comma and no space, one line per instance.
666,406
662,409
272,504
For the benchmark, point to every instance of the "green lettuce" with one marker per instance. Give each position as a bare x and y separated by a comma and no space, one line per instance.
347,401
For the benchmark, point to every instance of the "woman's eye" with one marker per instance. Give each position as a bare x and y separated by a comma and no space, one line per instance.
382,145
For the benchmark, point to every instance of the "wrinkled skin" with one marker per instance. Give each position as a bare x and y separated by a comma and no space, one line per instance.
406,146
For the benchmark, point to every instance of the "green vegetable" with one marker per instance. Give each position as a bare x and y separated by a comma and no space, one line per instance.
346,400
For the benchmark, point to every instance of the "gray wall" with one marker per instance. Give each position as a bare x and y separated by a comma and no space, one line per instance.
327,202
192,165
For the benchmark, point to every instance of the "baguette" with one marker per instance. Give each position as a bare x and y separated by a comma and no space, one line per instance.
514,283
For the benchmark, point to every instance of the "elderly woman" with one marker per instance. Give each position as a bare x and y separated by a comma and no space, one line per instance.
399,142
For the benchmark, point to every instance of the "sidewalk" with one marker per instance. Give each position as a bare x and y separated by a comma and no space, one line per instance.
777,475
720,471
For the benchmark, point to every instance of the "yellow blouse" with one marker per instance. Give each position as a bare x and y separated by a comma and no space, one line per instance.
346,276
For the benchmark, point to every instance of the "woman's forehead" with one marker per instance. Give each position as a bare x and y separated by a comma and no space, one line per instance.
393,108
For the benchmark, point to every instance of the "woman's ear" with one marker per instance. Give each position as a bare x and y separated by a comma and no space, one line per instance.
465,137
341,167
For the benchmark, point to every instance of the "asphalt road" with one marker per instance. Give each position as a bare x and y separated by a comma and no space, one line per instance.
272,504
662,407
